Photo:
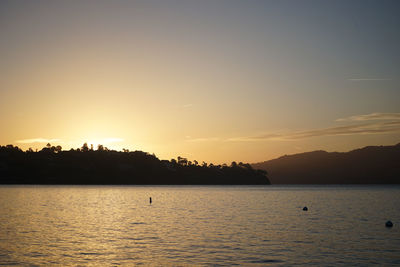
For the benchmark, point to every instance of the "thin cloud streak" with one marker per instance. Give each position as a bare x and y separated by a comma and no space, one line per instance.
255,138
56,140
372,116
205,139
374,123
369,79
37,140
358,129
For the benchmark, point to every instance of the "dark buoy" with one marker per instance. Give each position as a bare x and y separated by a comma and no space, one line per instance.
150,200
389,224
305,208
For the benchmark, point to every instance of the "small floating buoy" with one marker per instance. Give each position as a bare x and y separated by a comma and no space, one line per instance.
389,224
305,208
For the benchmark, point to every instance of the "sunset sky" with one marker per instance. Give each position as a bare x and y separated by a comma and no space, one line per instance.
215,81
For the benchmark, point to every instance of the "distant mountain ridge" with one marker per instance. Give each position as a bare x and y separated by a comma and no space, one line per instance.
368,165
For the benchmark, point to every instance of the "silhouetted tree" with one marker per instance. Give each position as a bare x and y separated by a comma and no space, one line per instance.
85,147
53,166
182,161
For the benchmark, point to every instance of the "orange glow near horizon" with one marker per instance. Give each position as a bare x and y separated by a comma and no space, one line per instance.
216,82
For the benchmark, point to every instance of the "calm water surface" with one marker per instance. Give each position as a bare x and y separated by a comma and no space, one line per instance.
203,225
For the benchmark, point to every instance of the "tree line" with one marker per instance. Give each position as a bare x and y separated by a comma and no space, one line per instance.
86,165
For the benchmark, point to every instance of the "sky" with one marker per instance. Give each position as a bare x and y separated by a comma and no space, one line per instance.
215,81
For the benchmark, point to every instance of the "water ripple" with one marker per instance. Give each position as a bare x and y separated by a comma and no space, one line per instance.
218,226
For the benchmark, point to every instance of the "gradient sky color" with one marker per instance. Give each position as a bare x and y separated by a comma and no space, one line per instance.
214,81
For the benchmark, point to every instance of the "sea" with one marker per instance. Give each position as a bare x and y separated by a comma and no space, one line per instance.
199,225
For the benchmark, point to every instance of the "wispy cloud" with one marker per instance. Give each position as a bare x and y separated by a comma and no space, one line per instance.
267,136
37,140
372,116
187,105
358,129
203,139
368,79
366,128
373,123
55,140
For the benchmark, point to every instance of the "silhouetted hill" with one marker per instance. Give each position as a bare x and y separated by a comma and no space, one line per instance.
51,165
368,165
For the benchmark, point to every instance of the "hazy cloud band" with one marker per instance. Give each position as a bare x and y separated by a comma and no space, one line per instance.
366,128
372,116
37,140
369,79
